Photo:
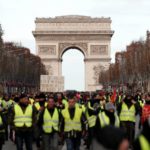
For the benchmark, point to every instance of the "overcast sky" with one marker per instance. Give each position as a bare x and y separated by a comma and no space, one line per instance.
130,18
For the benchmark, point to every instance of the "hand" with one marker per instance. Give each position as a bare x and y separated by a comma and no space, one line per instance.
133,101
41,108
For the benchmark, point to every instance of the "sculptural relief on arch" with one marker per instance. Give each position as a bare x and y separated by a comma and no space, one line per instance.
92,36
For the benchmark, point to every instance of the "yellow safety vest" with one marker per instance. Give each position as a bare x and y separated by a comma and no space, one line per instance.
144,143
141,103
120,98
81,106
31,101
3,103
1,123
50,121
10,103
104,120
64,101
23,118
72,124
37,105
127,114
91,119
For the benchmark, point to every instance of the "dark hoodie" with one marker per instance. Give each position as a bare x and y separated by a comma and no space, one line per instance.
109,137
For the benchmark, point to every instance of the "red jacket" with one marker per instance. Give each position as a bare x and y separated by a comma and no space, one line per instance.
145,113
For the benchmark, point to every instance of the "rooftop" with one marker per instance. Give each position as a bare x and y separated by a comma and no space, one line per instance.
73,19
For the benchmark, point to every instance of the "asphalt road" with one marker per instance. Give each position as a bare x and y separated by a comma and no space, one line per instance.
11,146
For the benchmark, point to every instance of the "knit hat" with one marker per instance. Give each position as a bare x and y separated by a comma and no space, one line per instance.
109,106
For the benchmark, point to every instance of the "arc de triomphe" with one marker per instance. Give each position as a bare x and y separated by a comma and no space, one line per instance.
92,36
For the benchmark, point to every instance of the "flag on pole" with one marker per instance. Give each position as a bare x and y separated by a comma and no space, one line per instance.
114,96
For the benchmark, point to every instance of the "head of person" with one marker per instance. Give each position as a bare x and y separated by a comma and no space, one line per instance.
50,103
109,107
23,100
59,96
71,100
6,97
112,138
12,96
147,97
36,98
16,99
124,144
128,98
102,100
78,96
138,92
42,97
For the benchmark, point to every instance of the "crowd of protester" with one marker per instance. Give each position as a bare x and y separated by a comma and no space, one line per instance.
102,120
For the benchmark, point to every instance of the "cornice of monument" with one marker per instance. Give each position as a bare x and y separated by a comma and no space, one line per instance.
73,19
109,32
98,59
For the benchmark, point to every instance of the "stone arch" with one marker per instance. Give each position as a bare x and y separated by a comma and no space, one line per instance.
75,47
91,36
82,47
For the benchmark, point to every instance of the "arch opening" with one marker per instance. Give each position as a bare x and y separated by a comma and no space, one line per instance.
73,69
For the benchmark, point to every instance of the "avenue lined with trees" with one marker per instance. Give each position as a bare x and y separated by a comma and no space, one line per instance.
19,69
131,69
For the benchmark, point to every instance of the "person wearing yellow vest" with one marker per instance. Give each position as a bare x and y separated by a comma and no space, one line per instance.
3,105
143,140
2,128
93,109
9,101
119,98
139,98
72,123
61,100
127,111
49,120
108,116
79,102
9,104
31,100
23,119
39,104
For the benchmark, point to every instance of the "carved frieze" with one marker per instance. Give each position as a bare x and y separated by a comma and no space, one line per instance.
98,49
47,49
64,46
72,37
49,69
97,69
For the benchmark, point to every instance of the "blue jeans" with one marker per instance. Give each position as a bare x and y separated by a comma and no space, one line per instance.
24,137
50,141
73,143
